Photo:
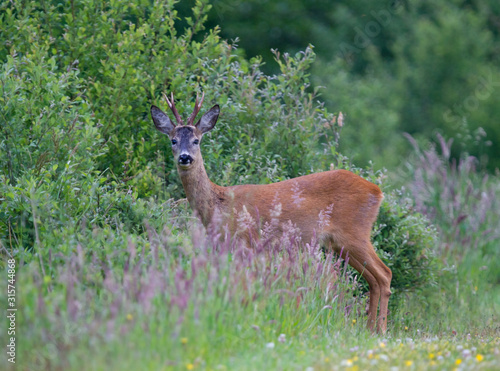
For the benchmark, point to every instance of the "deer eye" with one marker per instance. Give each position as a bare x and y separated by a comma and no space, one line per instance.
196,141
174,142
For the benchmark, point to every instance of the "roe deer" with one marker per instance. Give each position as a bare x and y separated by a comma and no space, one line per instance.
351,203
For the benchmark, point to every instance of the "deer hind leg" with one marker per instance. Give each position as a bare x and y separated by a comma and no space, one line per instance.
374,290
384,279
364,259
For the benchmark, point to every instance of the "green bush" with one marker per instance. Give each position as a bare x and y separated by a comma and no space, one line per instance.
405,241
47,122
49,148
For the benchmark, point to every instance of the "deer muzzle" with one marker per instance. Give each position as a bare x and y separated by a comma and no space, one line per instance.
185,160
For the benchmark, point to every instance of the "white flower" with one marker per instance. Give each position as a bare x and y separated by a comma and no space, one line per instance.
270,345
245,219
340,120
346,362
282,338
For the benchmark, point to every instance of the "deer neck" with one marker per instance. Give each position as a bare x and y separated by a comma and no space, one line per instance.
200,191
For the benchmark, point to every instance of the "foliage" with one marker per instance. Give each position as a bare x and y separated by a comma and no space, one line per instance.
457,102
46,121
462,200
109,263
407,55
49,147
393,66
156,300
170,290
405,240
371,132
130,53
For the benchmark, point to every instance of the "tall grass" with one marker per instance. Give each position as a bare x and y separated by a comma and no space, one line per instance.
166,293
462,200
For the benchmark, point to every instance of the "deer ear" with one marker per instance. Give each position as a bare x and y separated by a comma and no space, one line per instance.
208,120
161,120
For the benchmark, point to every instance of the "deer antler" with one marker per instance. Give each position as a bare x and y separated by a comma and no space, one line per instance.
171,104
197,107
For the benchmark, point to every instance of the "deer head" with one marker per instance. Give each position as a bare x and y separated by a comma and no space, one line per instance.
185,138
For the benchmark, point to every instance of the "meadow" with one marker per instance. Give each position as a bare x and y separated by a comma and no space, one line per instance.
114,272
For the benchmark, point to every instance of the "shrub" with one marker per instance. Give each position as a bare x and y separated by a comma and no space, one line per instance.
49,148
405,240
49,154
271,127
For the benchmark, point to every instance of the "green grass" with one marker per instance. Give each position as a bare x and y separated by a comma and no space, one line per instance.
119,313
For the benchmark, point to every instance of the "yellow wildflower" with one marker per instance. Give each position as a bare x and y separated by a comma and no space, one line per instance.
406,328
479,357
184,340
355,358
190,366
130,317
458,361
431,355
327,359
408,363
353,321
382,345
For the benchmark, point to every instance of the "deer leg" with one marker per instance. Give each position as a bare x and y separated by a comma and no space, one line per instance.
367,259
384,277
374,290
364,259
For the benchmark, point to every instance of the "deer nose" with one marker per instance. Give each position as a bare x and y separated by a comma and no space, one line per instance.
185,159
